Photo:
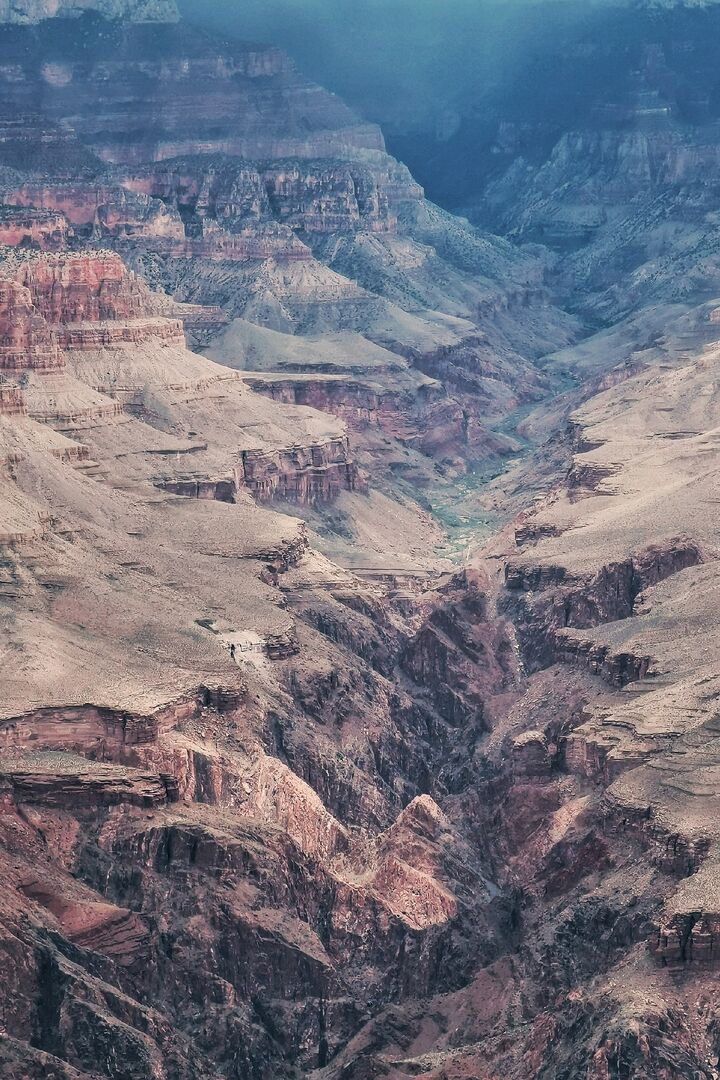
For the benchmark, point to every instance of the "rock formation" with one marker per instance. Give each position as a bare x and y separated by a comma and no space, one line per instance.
286,788
315,229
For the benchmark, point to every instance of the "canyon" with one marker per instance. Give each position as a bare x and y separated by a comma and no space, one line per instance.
358,580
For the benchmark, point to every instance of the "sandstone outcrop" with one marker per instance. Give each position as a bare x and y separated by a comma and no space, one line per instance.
300,474
530,756
27,340
97,207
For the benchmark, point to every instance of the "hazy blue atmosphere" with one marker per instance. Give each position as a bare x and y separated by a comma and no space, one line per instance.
448,81
407,59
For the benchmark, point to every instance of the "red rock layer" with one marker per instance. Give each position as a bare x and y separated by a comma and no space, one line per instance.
47,230
12,402
26,340
88,287
106,206
303,474
53,301
127,214
425,419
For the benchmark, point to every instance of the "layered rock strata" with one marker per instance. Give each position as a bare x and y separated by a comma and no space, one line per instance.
262,816
79,314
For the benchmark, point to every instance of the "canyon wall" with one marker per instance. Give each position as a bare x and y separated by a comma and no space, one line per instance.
289,787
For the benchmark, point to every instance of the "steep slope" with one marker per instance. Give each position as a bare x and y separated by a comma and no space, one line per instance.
212,858
235,184
599,777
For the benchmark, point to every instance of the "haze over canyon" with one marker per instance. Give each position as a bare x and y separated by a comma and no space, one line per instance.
359,551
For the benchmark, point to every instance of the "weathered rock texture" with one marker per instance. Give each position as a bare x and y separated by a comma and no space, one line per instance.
225,178
264,814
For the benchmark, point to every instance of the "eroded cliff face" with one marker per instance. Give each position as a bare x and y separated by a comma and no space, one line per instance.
269,814
33,228
595,767
290,216
314,196
51,303
228,879
227,852
85,341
